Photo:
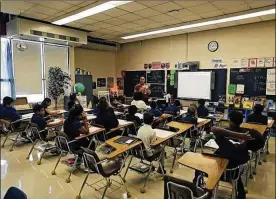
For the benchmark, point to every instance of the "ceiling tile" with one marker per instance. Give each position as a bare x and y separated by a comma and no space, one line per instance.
43,10
140,28
148,12
56,16
166,7
89,27
258,4
74,2
105,31
115,12
188,4
209,27
130,17
154,25
95,34
100,17
227,24
15,7
59,5
115,21
107,36
268,17
190,18
172,22
102,25
34,15
132,7
87,21
144,22
181,14
76,25
251,20
161,18
239,8
227,4
211,14
118,29
85,3
115,33
203,8
129,25
152,3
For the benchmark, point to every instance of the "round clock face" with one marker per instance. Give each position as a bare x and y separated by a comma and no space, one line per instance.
213,46
21,46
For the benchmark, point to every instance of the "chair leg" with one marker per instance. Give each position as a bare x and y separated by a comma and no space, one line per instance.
196,143
246,177
35,142
54,171
107,185
124,178
6,137
201,145
174,157
11,149
41,156
234,191
143,190
255,165
128,193
73,169
82,186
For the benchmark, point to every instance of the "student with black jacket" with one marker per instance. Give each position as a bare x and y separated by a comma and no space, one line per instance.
257,116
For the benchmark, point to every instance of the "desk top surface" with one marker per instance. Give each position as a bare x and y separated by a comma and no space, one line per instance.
92,131
213,166
258,127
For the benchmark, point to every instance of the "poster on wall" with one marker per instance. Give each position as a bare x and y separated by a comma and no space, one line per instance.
244,63
240,89
252,62
101,82
168,65
261,62
156,65
270,81
269,62
110,82
236,63
120,83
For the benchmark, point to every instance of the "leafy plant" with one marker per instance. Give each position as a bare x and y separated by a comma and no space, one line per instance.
58,81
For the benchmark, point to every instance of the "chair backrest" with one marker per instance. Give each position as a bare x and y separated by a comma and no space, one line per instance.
15,193
35,131
139,151
91,161
62,142
232,174
175,188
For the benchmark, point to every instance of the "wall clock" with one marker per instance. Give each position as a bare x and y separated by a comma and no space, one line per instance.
21,46
213,46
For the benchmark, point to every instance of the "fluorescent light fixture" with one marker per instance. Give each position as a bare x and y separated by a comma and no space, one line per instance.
92,11
218,21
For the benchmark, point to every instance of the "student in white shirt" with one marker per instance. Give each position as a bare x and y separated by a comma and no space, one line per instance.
138,101
148,136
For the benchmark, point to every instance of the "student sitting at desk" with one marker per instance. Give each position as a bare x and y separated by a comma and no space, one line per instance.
130,116
47,103
38,119
257,116
190,116
107,118
154,110
148,136
74,128
175,108
138,101
2,121
8,111
202,111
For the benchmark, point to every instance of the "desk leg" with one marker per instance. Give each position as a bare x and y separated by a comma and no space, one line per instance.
124,178
215,191
91,141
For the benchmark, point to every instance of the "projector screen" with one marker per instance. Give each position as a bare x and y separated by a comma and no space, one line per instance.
194,85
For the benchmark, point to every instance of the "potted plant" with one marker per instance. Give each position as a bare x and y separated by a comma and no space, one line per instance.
58,81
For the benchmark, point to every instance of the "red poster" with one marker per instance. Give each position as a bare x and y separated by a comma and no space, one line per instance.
252,62
156,65
146,66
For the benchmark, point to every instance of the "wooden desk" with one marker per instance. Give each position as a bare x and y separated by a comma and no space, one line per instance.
258,127
93,130
201,124
122,124
179,125
270,123
119,148
213,166
91,117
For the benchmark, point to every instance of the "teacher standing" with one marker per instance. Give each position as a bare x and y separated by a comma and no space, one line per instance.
144,88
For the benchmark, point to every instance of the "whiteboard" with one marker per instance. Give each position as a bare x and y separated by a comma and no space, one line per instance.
194,85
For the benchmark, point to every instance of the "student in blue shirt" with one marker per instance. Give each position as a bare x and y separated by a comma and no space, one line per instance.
2,121
202,111
190,116
8,111
175,108
47,103
154,110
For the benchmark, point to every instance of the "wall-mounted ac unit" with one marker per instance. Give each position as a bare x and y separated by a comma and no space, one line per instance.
102,45
24,27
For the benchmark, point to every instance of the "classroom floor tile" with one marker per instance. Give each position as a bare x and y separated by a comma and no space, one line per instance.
37,181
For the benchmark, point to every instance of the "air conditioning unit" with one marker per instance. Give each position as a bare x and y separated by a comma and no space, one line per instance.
102,45
25,27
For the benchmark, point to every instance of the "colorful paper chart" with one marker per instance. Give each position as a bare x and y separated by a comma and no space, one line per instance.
232,89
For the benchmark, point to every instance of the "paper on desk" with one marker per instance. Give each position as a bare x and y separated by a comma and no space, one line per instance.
124,122
162,133
62,111
182,112
140,115
25,116
200,120
268,121
91,117
87,109
118,113
212,144
93,129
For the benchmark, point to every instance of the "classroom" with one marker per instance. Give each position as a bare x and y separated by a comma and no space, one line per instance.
138,99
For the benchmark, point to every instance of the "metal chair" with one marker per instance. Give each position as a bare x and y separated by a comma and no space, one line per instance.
65,146
105,168
175,188
141,153
19,127
15,193
36,137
